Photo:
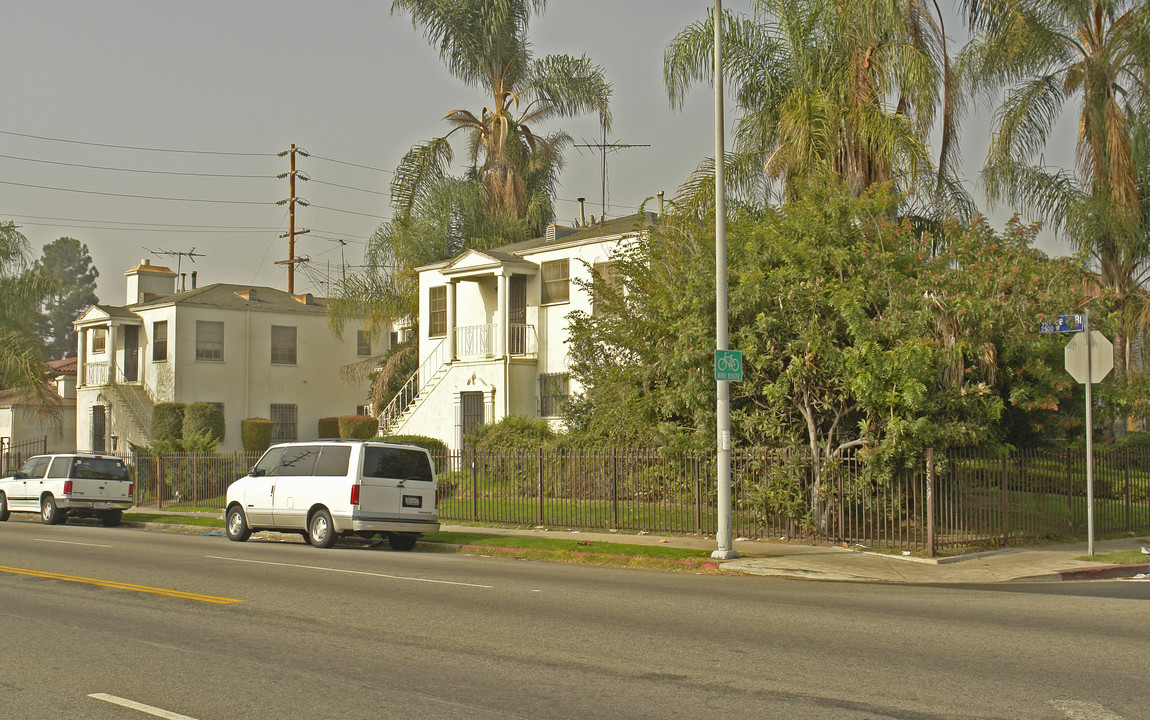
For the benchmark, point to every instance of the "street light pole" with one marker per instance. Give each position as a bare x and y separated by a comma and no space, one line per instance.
723,538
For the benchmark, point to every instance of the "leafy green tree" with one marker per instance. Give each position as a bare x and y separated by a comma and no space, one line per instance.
1091,57
67,260
858,333
852,87
22,289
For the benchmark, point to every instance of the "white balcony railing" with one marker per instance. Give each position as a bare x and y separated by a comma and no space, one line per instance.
480,341
96,373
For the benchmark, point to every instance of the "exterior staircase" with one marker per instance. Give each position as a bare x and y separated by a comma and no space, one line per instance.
138,402
418,387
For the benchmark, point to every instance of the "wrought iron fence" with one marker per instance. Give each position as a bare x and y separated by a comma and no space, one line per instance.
948,502
13,455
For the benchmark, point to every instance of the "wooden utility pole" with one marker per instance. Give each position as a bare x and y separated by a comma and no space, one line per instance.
291,202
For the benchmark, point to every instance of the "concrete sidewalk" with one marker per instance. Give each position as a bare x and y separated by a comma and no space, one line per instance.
1046,563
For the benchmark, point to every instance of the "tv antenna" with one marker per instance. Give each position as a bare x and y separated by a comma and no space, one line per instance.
179,255
604,149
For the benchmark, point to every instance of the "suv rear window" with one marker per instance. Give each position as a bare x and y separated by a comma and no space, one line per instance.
396,463
99,469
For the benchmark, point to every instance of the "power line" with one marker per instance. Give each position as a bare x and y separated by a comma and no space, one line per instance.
138,229
140,197
134,147
230,228
344,162
346,187
349,212
137,170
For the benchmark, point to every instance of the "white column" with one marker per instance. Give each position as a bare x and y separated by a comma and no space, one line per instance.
82,356
450,320
111,350
501,306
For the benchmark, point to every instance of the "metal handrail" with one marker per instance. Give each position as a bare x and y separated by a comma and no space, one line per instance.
438,357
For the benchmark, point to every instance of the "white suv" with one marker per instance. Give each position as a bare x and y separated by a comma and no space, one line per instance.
329,488
79,485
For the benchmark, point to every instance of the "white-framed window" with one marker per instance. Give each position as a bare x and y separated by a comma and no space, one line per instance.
99,340
283,345
160,341
553,391
285,422
209,341
362,343
437,311
606,271
556,286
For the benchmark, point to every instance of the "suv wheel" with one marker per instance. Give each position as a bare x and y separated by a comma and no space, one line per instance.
111,518
50,514
235,525
320,532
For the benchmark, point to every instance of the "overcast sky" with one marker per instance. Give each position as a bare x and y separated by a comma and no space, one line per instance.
106,86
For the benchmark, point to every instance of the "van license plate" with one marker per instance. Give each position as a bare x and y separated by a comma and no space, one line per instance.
413,501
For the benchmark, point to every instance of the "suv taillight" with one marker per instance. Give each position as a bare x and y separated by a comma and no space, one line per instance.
355,494
131,490
67,487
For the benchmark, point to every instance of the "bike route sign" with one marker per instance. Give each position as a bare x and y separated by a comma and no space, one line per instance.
729,365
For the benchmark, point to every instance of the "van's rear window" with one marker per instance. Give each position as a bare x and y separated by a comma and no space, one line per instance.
99,469
397,463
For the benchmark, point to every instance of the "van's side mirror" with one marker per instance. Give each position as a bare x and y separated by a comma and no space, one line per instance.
256,471
19,476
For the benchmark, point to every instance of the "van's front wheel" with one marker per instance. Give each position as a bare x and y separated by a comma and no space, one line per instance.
235,525
320,532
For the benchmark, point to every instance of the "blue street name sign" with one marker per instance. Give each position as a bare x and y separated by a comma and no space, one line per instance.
1064,324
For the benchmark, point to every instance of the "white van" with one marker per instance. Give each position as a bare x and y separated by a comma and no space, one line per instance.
328,488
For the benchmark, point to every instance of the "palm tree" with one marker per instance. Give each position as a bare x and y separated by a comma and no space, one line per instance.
22,288
485,44
1094,56
846,87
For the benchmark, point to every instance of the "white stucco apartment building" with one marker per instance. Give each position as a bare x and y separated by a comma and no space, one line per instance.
254,352
26,418
493,330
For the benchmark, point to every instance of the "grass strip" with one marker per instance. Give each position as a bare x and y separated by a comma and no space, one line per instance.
1122,557
194,520
517,542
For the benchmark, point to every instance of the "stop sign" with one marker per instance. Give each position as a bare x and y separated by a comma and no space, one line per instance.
1101,357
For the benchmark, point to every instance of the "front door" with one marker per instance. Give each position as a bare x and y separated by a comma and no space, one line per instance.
517,316
131,353
99,427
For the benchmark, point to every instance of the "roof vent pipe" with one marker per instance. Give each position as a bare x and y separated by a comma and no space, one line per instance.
194,272
183,282
582,213
660,203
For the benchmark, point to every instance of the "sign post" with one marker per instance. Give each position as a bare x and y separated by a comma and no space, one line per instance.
1089,358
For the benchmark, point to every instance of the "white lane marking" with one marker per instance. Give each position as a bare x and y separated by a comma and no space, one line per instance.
350,572
133,705
67,542
1084,710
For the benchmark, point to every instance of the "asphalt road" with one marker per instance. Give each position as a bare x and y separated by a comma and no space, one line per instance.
94,619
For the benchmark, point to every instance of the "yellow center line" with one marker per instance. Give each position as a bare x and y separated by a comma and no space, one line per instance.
121,585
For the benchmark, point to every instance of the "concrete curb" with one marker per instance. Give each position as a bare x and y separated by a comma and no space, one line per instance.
1106,572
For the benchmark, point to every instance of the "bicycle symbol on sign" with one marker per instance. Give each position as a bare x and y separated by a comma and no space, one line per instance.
730,363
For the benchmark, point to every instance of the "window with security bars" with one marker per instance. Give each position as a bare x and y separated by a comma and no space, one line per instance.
556,286
437,311
472,415
283,345
284,423
553,390
362,343
209,341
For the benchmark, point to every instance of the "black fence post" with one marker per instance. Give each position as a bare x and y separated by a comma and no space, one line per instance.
1005,501
930,502
1129,494
540,456
1069,493
614,487
698,497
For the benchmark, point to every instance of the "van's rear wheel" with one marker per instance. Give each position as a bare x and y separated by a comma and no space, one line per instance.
320,532
4,513
235,525
111,518
401,541
50,513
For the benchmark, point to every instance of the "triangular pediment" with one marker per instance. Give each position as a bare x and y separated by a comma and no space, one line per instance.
482,262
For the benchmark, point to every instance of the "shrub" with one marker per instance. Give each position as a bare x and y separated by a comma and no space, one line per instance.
358,427
513,432
435,446
203,419
168,422
328,428
256,434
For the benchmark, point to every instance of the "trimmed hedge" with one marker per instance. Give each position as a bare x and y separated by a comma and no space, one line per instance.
358,427
328,428
512,433
201,418
257,434
433,445
167,422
